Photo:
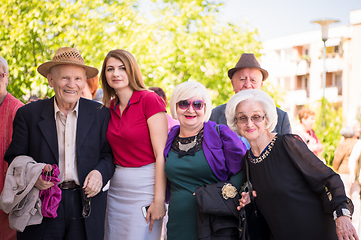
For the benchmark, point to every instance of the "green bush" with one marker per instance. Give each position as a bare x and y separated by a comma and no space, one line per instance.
327,128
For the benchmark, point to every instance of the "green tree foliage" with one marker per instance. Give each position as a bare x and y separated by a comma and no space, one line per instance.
275,91
173,41
327,128
31,31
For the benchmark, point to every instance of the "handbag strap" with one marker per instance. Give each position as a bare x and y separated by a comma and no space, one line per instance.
250,187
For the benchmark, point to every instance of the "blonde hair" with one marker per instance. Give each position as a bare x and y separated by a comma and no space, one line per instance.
187,90
132,69
251,96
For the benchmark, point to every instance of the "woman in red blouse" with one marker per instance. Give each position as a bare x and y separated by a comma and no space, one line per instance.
137,134
305,131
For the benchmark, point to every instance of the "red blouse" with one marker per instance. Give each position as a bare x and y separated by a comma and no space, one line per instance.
128,135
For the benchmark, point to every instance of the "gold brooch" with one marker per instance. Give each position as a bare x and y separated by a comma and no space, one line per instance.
229,191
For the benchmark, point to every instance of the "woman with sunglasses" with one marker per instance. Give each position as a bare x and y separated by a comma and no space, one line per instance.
298,195
196,155
137,134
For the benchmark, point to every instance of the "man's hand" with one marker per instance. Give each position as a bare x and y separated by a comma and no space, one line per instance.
93,183
345,229
41,184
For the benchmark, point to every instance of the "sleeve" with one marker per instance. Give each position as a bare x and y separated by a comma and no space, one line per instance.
152,104
322,179
106,165
233,149
286,126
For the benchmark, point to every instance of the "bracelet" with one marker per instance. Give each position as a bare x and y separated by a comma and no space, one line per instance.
341,212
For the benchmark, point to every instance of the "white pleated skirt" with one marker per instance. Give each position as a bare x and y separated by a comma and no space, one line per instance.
129,190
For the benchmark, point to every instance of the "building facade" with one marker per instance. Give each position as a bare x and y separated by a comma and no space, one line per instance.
295,64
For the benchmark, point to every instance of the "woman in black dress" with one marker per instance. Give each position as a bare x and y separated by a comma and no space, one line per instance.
291,183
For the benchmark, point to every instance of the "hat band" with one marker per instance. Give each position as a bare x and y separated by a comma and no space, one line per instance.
69,56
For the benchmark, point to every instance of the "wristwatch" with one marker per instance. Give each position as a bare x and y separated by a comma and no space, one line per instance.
341,212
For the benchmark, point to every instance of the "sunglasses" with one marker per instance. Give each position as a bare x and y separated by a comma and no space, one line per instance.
254,118
85,213
48,172
86,209
196,104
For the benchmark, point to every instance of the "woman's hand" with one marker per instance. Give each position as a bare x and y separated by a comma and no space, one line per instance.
155,211
245,199
345,229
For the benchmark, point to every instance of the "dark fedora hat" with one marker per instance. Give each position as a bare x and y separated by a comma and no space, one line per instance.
67,56
247,60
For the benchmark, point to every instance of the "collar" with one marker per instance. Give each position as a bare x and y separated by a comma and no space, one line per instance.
135,98
56,109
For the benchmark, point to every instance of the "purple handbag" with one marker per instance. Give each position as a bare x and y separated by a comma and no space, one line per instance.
50,198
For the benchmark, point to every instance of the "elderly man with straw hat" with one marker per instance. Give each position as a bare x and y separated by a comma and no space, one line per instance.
68,131
248,74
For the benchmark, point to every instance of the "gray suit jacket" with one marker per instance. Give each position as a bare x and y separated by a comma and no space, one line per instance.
283,123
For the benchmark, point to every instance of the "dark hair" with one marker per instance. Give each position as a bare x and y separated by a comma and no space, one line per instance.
132,69
160,93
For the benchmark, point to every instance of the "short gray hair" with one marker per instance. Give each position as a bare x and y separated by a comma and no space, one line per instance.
252,95
347,132
187,90
4,64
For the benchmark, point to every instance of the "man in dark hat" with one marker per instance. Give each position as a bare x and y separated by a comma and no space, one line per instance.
68,131
248,74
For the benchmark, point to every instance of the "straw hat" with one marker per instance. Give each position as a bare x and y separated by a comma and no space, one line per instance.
67,56
247,60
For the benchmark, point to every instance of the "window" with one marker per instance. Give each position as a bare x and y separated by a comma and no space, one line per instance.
302,82
329,81
338,82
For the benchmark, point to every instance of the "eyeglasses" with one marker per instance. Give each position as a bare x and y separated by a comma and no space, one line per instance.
196,104
254,118
2,75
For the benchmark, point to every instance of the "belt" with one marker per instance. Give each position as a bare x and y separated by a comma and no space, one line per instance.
68,185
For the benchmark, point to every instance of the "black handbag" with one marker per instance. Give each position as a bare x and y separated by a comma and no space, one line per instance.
252,225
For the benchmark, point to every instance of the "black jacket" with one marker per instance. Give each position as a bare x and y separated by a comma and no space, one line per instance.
217,217
35,135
